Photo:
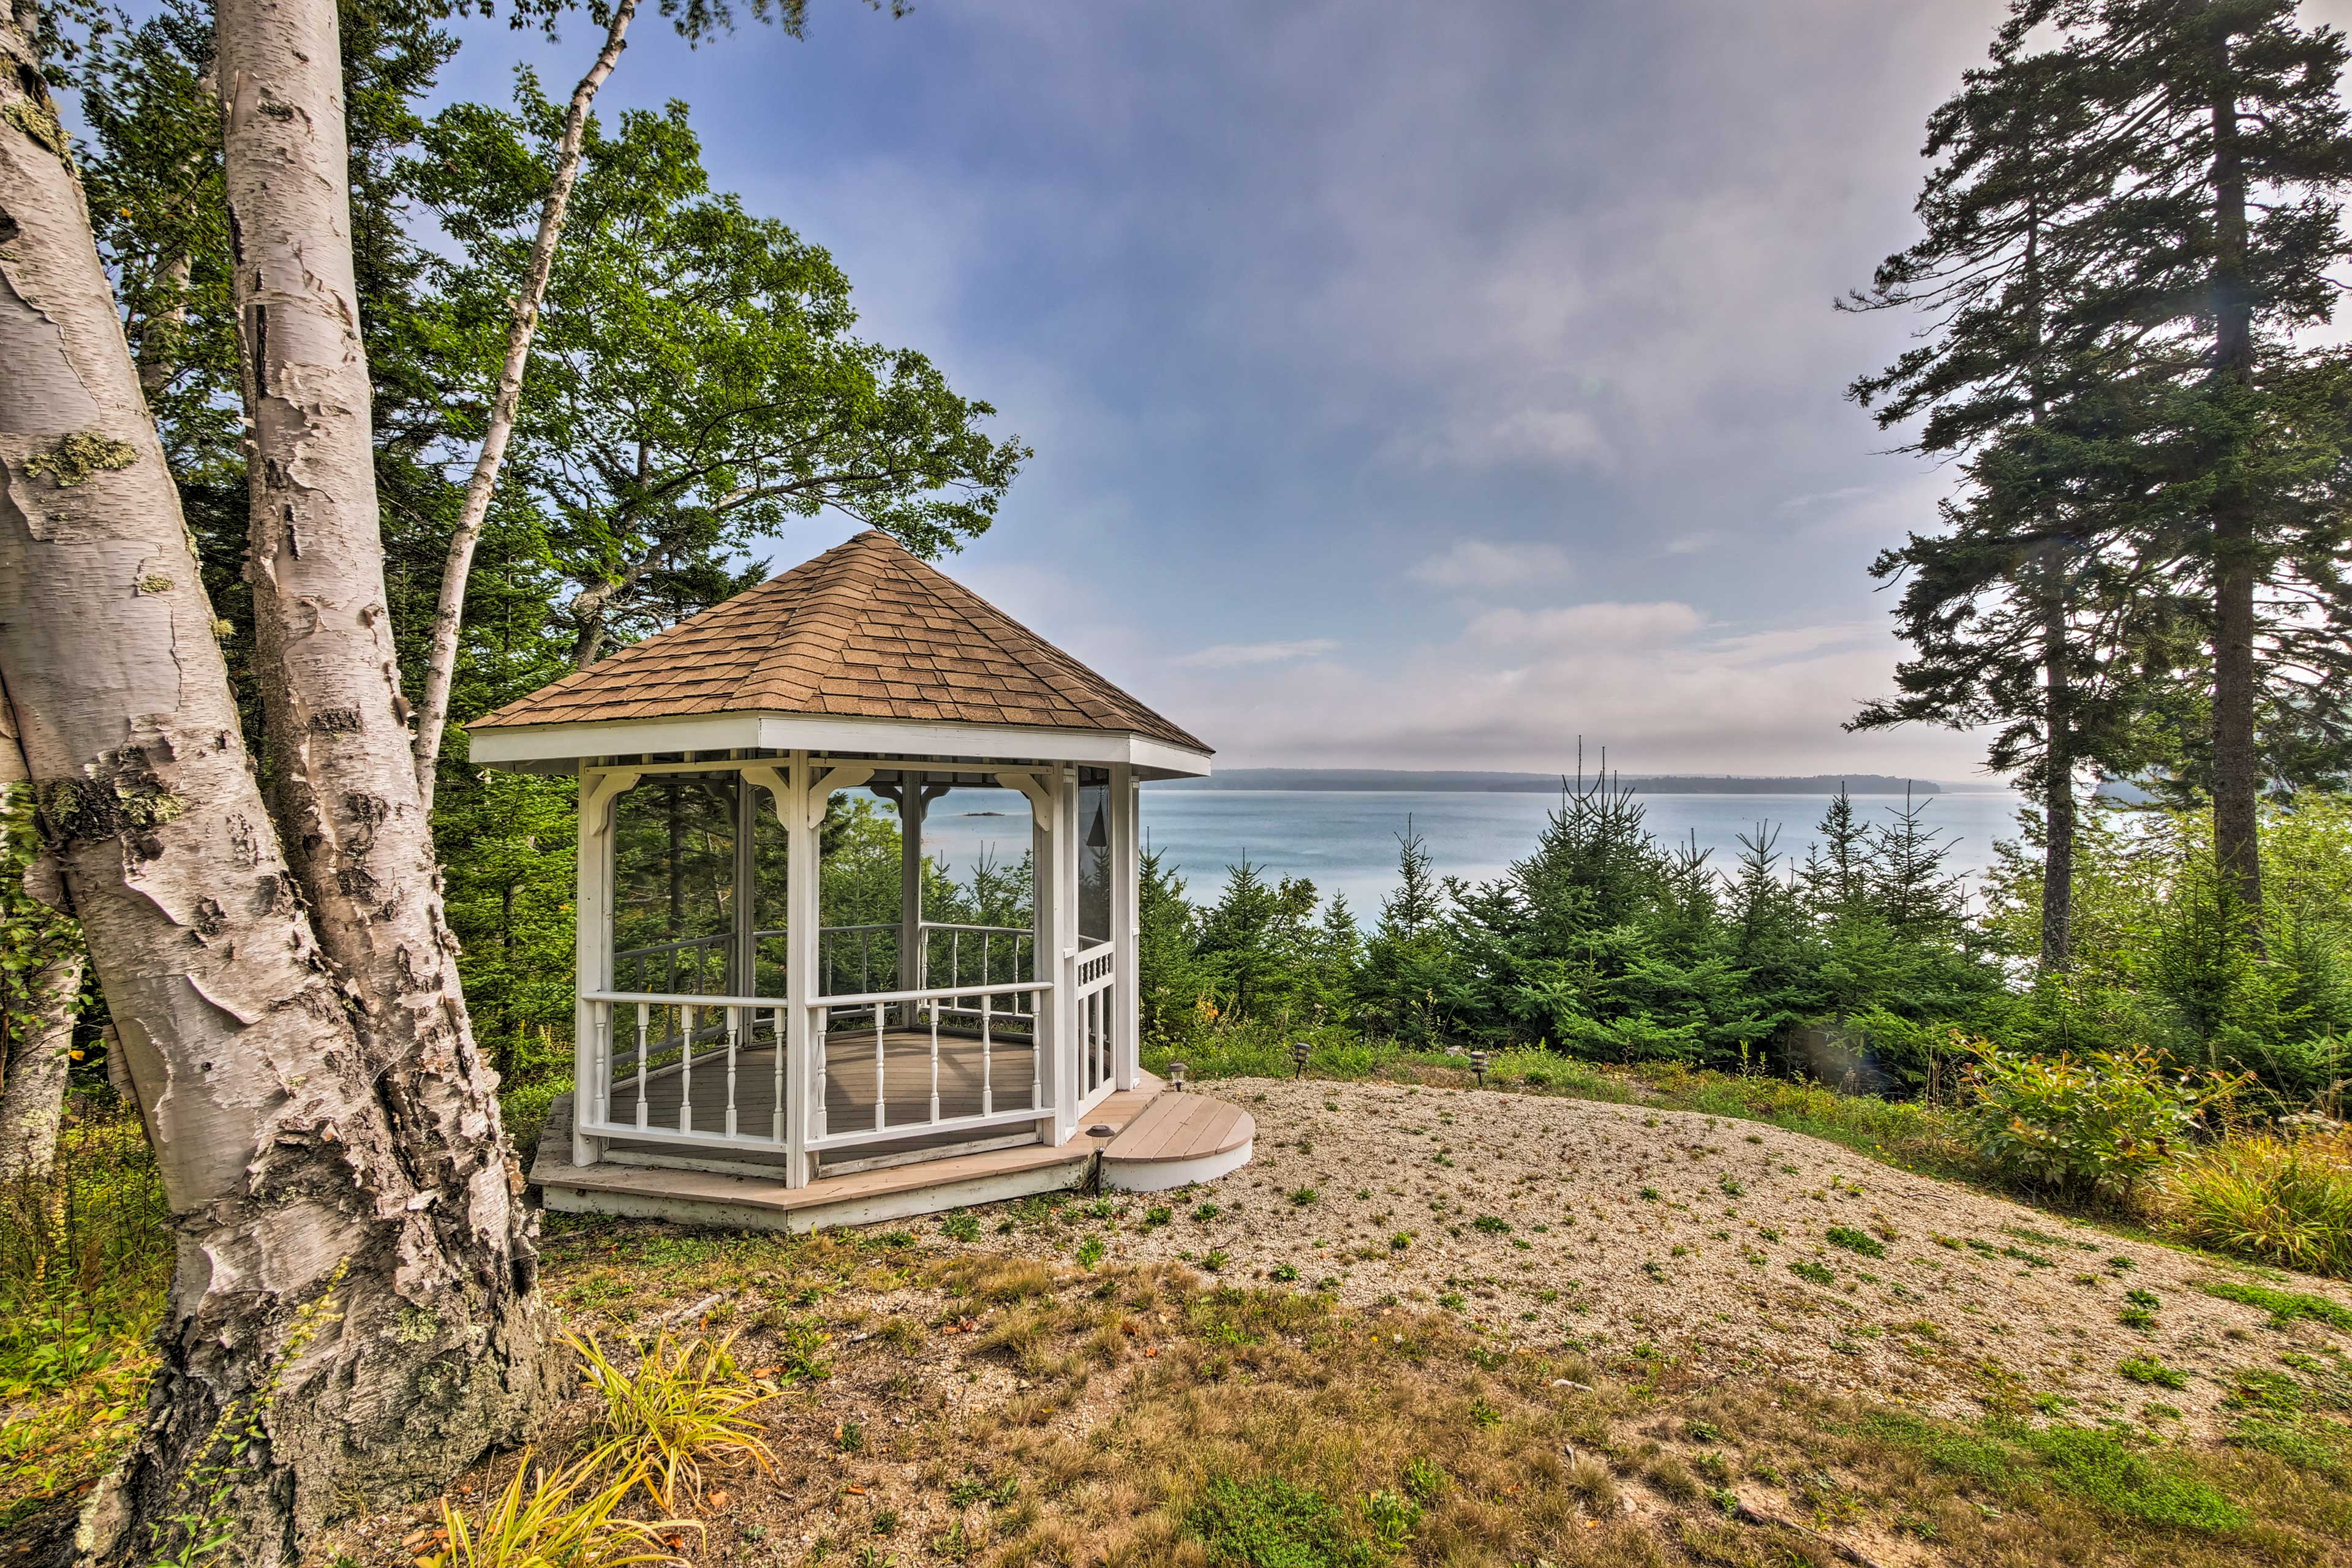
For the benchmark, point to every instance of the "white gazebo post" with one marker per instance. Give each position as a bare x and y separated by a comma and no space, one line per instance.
801,883
912,809
1125,927
592,951
1054,887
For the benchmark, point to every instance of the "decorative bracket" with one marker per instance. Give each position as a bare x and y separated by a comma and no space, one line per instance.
849,775
599,793
773,781
1041,799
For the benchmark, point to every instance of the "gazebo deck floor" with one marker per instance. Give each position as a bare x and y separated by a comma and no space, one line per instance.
1009,1069
745,1199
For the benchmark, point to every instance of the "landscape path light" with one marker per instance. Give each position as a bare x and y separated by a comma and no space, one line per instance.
1176,1071
1478,1066
1298,1050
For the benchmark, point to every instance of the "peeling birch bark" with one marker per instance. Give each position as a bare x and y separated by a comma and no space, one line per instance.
285,1152
335,722
441,668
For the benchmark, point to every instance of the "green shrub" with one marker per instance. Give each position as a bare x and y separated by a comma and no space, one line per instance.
2098,1125
2286,1201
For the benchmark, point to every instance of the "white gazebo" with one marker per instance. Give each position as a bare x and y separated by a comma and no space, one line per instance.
741,1056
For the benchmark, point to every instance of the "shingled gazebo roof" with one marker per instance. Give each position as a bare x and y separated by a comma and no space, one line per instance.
864,631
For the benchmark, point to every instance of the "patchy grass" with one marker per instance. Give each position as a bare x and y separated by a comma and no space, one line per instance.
2283,1306
1012,1412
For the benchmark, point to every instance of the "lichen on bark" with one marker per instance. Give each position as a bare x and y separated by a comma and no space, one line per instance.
79,455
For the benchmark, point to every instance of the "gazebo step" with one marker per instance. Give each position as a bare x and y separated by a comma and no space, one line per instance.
1177,1139
863,1197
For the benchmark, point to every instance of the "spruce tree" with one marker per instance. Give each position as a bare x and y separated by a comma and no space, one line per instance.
2235,154
1995,600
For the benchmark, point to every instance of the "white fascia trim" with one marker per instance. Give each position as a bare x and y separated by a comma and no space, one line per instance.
785,733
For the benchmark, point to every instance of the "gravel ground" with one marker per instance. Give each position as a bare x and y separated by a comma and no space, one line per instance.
1630,1231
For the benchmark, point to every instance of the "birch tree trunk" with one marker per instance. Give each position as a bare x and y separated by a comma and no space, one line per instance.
441,666
39,1038
33,1103
288,1161
335,722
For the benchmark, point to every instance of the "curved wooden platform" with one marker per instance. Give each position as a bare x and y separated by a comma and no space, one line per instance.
1177,1139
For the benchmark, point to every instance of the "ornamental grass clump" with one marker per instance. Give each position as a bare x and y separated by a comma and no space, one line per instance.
2285,1200
686,1405
2097,1126
568,1519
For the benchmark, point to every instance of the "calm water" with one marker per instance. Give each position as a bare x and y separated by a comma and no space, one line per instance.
1347,841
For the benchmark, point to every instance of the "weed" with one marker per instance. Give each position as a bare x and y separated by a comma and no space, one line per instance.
961,1225
1270,1523
1805,1268
1860,1241
1304,1197
1492,1224
2150,1369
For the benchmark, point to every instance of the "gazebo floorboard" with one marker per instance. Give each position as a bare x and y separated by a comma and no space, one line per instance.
741,1198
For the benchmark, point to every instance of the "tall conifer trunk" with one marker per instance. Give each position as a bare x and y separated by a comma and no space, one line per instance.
2236,774
2058,766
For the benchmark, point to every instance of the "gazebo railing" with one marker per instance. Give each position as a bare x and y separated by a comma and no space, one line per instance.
679,1069
1004,1097
959,1056
954,954
1092,1015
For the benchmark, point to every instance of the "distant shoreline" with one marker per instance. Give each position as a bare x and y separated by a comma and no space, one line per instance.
1383,780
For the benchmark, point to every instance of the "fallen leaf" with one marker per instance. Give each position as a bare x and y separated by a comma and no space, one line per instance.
855,1491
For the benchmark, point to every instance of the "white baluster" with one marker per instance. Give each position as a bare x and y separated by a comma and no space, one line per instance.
935,1063
776,1043
734,1026
880,1079
816,1038
987,1085
686,1068
641,1064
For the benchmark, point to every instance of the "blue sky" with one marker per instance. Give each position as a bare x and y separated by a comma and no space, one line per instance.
1411,385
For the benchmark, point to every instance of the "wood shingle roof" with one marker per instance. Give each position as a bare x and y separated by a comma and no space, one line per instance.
864,631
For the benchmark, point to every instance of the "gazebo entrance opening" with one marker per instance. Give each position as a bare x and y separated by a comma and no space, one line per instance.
930,893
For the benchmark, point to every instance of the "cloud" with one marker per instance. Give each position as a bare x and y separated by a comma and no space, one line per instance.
1567,626
1240,655
1489,567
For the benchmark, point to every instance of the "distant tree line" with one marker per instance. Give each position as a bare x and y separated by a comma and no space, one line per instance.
1862,964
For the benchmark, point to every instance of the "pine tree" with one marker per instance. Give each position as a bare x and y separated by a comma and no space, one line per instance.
2234,148
1995,602
1409,956
1836,874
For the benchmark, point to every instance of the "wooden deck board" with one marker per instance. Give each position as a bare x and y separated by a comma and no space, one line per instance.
1182,1127
749,1198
